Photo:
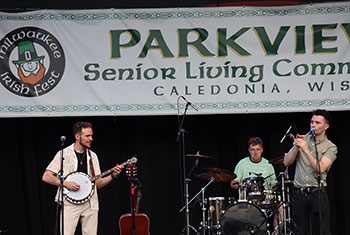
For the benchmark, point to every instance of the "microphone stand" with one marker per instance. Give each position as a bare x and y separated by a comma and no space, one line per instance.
60,196
181,132
318,182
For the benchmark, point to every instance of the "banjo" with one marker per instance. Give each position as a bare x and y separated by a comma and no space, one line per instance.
87,184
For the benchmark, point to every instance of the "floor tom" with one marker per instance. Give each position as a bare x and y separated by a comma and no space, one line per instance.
216,207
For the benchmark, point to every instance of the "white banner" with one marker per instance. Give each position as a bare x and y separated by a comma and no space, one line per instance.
140,62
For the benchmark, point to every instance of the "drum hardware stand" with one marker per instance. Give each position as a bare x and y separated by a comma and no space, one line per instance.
283,189
203,227
274,211
203,223
285,202
194,197
187,196
188,226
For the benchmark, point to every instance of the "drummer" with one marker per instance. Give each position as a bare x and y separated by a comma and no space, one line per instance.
254,165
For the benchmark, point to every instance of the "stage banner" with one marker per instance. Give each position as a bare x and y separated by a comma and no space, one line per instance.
155,61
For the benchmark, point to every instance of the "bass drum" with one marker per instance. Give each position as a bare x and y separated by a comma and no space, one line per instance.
243,218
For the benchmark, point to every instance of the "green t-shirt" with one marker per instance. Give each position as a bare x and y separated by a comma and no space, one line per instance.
247,168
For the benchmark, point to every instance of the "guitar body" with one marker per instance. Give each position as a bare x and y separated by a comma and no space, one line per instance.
141,224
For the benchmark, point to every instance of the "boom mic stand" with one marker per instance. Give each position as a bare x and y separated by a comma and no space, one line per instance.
181,132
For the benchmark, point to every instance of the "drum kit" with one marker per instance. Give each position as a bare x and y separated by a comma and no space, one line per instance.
256,210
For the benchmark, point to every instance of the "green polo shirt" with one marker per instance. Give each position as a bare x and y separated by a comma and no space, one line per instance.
305,175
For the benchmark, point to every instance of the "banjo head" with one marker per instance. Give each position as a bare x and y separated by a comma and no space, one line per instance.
86,190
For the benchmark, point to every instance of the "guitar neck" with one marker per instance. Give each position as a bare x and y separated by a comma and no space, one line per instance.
109,171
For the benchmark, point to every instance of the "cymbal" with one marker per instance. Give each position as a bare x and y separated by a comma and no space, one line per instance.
221,175
277,160
197,155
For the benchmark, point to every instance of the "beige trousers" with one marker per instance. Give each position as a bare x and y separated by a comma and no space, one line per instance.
88,218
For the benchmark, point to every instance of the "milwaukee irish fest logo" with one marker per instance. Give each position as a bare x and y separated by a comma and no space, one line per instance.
32,61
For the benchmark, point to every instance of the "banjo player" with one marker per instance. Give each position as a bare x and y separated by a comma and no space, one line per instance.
79,159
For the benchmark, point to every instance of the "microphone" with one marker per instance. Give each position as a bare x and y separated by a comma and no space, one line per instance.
189,103
312,132
62,139
286,133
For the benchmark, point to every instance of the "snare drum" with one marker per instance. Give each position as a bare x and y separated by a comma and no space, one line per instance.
254,187
217,206
270,199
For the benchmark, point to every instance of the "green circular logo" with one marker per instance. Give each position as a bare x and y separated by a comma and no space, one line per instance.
32,61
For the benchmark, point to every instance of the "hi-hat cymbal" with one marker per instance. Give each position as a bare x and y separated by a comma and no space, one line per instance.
277,160
207,173
197,155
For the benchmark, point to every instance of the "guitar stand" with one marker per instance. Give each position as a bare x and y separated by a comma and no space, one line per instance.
133,188
134,222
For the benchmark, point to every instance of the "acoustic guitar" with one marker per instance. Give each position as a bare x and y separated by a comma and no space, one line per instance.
134,223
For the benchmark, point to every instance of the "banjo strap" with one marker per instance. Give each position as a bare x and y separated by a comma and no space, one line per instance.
91,165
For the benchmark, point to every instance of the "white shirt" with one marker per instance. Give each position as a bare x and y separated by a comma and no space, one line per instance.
70,164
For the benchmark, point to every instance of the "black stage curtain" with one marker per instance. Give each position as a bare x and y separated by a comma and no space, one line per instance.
29,144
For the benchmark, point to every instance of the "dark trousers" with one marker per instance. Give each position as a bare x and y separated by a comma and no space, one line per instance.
305,203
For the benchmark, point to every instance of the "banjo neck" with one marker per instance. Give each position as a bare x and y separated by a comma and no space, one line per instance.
132,160
87,184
